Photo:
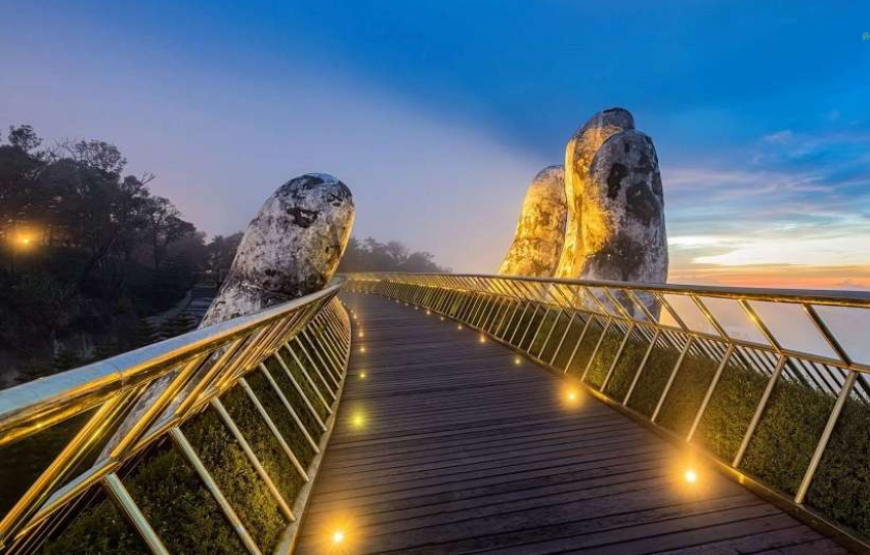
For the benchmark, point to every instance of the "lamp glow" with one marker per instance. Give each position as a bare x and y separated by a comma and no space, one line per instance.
337,537
517,361
358,420
363,375
459,327
360,334
690,476
362,349
483,339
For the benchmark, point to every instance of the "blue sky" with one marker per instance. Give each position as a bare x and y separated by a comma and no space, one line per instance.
438,113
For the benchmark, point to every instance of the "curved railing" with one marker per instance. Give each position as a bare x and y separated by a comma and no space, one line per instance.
770,385
203,443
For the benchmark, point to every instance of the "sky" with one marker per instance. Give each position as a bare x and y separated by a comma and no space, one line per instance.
437,114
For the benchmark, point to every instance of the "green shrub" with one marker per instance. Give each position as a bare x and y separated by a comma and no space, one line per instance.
841,486
182,511
626,367
264,444
687,392
604,357
295,399
235,476
783,443
730,410
571,338
584,351
282,418
558,329
652,381
298,372
98,530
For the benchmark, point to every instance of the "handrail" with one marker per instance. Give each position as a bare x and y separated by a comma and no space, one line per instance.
136,400
683,358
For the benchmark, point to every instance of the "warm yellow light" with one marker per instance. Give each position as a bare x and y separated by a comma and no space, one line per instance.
572,396
442,318
459,327
483,339
518,361
428,312
362,375
360,334
362,349
337,537
358,420
690,476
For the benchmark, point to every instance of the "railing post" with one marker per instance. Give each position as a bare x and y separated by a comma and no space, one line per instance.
826,436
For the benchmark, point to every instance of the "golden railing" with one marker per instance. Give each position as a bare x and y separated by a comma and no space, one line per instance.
771,386
285,366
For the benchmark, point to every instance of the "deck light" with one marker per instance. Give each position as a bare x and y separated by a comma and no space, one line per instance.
517,361
360,334
690,476
428,312
358,420
572,396
483,338
442,318
459,326
337,537
363,375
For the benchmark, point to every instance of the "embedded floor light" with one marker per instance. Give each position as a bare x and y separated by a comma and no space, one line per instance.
363,375
459,326
337,537
517,361
690,476
483,339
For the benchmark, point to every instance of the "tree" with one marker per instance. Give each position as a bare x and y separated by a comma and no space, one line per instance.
165,226
373,256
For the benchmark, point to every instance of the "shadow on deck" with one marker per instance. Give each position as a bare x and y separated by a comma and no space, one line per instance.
449,446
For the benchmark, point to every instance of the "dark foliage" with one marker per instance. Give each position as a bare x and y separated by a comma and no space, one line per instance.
372,256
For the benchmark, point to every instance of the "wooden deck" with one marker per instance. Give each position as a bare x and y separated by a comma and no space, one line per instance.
460,450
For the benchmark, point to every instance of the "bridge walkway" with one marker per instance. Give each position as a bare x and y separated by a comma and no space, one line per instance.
447,445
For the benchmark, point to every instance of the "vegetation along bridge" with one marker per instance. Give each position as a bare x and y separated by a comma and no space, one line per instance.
460,414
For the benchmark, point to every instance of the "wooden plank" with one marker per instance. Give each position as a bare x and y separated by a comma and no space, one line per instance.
463,451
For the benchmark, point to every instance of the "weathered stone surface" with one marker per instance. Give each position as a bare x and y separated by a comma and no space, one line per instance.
579,153
540,232
624,236
290,249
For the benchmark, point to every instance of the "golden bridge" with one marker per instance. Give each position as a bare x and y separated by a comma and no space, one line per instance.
441,413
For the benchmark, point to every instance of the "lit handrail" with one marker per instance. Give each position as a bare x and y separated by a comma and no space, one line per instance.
194,370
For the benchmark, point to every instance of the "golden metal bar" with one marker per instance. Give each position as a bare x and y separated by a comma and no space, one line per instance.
252,458
308,378
597,347
671,378
619,351
759,410
274,428
709,394
845,391
289,407
205,476
129,508
640,367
